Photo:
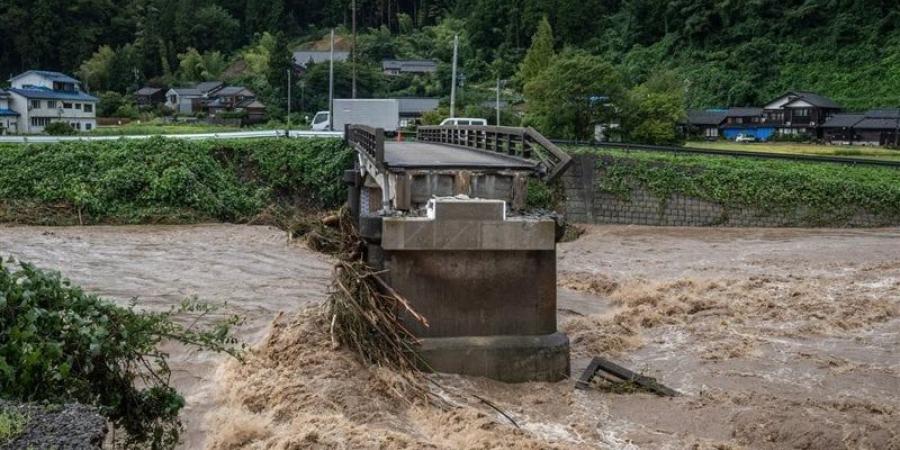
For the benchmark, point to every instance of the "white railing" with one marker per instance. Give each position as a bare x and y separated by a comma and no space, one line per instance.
38,139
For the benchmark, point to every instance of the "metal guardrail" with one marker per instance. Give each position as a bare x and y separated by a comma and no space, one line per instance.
525,143
37,139
736,153
368,140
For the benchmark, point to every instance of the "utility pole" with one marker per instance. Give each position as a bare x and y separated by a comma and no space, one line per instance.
498,100
353,52
289,102
453,81
331,85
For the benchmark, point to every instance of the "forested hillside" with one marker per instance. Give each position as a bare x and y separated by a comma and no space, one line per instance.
725,52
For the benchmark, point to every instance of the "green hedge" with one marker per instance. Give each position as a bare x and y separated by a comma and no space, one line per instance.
827,193
167,180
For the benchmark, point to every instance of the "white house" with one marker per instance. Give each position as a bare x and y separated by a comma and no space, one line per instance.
41,97
9,119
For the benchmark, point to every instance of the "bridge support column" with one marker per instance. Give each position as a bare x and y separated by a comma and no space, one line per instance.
485,282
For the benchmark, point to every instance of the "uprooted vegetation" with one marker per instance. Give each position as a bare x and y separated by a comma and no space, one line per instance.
170,181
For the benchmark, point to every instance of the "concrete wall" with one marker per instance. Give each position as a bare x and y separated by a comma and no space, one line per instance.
585,203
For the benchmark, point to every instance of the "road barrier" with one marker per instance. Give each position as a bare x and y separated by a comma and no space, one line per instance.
37,139
735,153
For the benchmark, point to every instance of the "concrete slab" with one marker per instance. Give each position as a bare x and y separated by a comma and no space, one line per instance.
411,155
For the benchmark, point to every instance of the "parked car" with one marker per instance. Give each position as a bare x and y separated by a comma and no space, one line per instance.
456,121
745,138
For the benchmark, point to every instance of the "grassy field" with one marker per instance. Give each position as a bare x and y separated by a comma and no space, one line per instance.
801,149
156,127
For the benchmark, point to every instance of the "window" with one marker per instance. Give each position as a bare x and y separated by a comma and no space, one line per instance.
51,104
801,112
87,126
67,106
78,106
712,132
88,107
77,126
40,121
36,104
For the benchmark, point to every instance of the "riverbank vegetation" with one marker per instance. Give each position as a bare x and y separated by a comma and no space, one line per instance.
826,193
169,181
62,345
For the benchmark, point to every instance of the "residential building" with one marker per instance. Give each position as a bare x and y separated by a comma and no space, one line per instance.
747,121
41,97
302,59
873,127
800,113
408,66
9,119
703,123
183,100
231,99
412,108
149,97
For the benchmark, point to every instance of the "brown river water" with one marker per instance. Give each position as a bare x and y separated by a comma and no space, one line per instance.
777,339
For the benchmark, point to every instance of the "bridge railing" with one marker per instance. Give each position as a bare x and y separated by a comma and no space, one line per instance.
525,143
367,140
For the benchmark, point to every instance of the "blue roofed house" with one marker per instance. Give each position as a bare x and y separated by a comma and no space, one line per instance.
40,97
9,119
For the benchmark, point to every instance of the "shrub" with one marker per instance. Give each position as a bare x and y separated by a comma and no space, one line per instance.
167,180
62,345
59,129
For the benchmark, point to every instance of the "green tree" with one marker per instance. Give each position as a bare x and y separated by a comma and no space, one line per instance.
653,109
574,93
539,54
94,72
194,66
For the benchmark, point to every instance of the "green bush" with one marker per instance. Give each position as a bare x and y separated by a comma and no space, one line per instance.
167,180
59,129
827,193
59,344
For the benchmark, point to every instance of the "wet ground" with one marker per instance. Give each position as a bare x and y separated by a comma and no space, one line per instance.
777,338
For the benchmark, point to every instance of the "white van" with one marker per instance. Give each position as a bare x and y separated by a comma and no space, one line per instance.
456,121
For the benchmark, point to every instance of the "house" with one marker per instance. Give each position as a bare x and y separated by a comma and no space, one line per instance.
412,108
231,99
182,100
149,97
800,113
408,66
703,123
873,127
9,119
302,59
747,121
40,97
190,100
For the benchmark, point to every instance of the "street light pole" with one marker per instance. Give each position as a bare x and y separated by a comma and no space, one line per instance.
498,100
289,103
331,85
353,52
453,80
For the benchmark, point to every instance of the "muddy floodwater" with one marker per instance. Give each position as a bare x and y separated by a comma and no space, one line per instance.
783,338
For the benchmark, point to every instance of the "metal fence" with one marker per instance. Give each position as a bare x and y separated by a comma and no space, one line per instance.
37,139
676,150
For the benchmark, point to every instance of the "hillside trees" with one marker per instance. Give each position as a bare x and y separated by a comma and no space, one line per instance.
539,54
575,92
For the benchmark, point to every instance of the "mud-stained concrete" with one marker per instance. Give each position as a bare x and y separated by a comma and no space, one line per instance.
778,339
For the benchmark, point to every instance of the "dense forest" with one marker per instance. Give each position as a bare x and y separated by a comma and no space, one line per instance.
721,52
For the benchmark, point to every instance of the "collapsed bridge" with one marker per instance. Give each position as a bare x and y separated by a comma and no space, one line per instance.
445,217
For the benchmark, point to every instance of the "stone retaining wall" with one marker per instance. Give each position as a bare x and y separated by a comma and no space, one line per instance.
586,203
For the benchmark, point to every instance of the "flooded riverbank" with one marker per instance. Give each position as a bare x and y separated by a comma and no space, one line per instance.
777,338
